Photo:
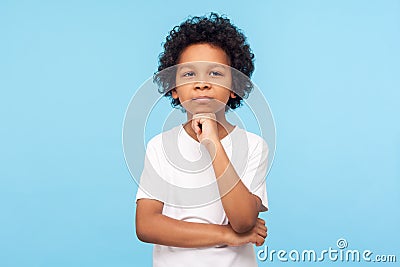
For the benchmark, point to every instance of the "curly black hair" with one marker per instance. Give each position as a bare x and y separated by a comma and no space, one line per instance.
217,31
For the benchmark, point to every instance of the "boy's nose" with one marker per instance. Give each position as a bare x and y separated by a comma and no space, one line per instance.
202,85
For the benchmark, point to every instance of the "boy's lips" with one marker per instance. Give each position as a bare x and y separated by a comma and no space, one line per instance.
202,98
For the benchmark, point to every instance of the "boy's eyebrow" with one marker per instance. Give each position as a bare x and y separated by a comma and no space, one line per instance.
193,65
218,65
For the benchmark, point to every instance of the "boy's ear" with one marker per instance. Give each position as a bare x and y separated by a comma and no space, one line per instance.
174,94
233,95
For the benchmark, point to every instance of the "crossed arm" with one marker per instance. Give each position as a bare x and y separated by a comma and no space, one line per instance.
154,227
240,205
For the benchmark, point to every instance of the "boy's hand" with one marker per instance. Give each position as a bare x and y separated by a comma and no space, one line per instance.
256,235
205,127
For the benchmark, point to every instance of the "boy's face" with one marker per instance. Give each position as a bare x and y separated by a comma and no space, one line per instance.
203,87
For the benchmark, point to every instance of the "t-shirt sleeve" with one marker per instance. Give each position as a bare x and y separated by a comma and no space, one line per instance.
151,170
255,174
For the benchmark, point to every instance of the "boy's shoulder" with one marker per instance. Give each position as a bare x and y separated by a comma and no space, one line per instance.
166,136
252,138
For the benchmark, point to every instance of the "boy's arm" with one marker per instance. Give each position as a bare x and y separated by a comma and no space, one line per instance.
240,205
154,227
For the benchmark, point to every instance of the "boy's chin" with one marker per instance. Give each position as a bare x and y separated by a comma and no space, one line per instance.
194,108
198,110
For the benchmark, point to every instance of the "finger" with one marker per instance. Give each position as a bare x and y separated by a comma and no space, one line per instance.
205,115
195,126
260,241
263,227
262,230
198,115
261,220
262,233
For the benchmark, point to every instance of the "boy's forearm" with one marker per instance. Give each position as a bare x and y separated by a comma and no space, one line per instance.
240,205
163,230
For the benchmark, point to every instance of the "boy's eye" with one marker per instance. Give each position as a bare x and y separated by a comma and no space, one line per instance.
215,73
188,74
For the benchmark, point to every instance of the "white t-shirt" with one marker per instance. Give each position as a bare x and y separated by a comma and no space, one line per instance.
178,172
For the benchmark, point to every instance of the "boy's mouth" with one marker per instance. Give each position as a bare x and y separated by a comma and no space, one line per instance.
202,98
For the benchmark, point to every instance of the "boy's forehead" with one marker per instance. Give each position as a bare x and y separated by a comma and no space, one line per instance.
204,52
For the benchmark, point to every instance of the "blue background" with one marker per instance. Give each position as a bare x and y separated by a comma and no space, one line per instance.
329,69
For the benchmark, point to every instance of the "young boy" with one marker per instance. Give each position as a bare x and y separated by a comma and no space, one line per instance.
198,229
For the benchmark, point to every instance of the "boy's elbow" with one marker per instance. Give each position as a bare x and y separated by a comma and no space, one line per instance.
243,226
142,233
144,230
143,237
244,223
